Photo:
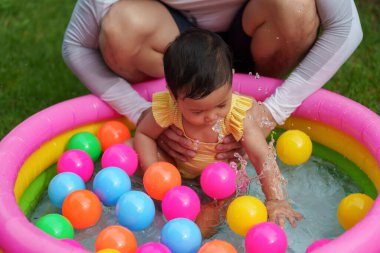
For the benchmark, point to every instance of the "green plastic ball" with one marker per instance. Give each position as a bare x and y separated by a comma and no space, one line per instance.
56,225
86,142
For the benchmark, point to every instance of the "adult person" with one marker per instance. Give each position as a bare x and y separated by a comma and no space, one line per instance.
110,44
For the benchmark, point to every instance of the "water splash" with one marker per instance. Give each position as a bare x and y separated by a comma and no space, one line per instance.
279,183
264,121
270,168
242,177
257,76
217,128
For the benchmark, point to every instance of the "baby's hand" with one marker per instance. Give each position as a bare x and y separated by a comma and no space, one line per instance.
279,210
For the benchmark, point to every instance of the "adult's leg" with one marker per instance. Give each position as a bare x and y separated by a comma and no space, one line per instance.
282,33
133,37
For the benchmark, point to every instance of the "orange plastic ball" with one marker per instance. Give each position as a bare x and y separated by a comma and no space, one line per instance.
82,208
217,246
118,238
353,208
159,178
113,132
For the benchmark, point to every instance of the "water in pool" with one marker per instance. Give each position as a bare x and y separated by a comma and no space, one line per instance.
314,188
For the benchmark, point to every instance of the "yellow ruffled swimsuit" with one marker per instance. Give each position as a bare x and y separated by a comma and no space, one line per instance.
166,113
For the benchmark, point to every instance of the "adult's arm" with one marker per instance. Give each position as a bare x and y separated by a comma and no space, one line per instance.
341,35
81,54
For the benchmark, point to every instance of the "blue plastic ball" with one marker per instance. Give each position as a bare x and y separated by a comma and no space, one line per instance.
62,185
135,210
110,183
181,235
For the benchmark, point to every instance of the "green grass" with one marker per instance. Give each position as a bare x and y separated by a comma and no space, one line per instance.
33,75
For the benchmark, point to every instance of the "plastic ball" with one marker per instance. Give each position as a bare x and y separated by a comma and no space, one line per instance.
121,156
181,202
86,142
73,243
217,246
135,210
153,247
118,238
294,147
62,185
110,183
317,244
266,237
181,236
218,180
353,208
108,251
113,132
82,208
56,225
159,178
245,212
78,162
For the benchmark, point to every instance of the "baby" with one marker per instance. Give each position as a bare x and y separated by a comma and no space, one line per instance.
199,101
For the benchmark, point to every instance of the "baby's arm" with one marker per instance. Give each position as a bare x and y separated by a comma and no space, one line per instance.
145,138
263,158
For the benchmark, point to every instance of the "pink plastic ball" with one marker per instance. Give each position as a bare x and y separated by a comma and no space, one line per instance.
153,247
317,244
78,162
181,202
266,237
121,156
218,180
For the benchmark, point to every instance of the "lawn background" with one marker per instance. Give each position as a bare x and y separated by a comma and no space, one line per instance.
33,75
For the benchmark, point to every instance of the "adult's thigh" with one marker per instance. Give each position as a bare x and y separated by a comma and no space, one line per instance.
133,37
282,33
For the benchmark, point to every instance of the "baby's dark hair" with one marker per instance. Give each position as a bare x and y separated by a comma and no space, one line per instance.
196,63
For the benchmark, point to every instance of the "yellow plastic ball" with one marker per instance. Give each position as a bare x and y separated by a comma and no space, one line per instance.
353,208
245,212
294,147
108,251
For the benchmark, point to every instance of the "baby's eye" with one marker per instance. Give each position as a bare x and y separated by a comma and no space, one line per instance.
222,106
197,112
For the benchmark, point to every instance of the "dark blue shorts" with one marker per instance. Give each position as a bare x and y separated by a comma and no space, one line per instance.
235,37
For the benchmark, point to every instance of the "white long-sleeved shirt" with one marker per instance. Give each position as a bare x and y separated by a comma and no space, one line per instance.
341,34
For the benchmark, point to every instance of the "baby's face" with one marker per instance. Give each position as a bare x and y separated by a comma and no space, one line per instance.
206,111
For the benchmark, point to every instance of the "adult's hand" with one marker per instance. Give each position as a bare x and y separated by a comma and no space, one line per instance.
174,143
228,148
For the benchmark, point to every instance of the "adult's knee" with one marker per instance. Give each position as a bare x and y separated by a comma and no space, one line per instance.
128,41
282,33
123,26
